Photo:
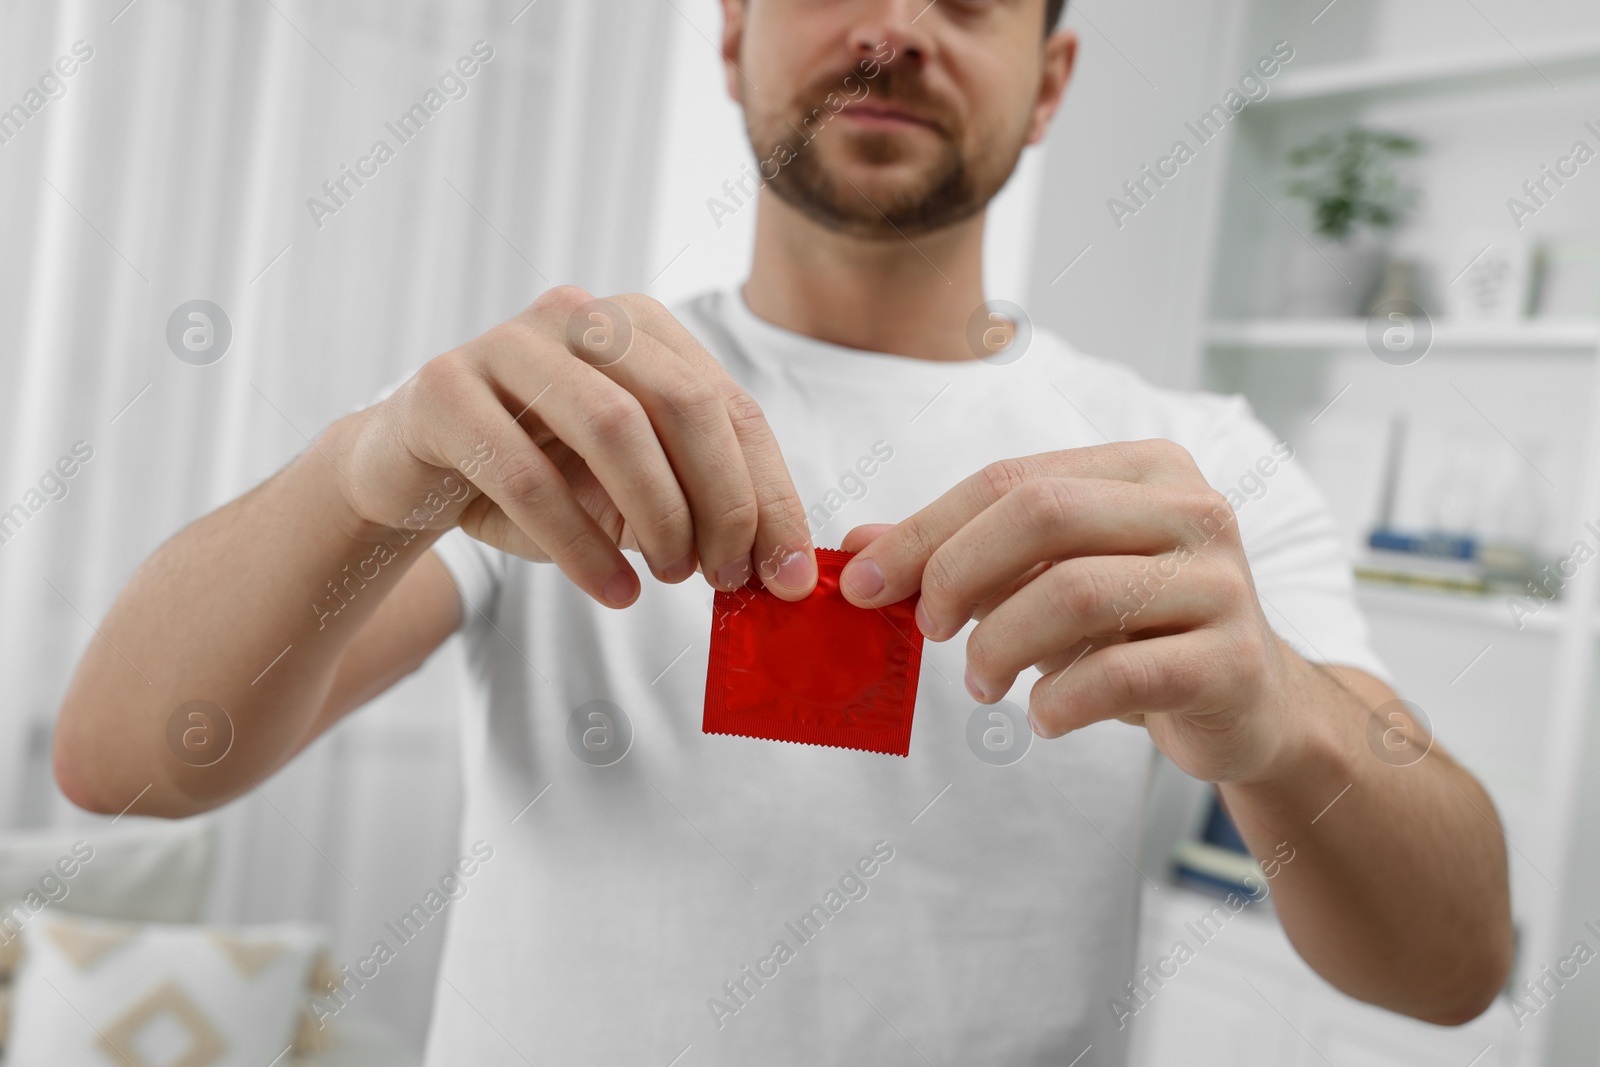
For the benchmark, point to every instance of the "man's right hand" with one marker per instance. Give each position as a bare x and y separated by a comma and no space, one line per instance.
586,427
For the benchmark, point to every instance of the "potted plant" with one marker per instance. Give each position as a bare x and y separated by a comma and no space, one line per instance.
1349,181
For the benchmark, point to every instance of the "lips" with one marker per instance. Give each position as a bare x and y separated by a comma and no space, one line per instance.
886,116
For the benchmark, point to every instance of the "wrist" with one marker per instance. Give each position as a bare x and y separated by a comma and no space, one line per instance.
331,464
1310,735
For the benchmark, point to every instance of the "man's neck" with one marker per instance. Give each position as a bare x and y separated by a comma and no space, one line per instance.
906,296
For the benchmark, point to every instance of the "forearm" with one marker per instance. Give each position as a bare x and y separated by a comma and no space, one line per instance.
249,608
1397,891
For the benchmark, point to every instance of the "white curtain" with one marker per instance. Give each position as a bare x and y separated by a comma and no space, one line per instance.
175,164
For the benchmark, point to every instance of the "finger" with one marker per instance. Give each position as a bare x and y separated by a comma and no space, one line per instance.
782,555
484,520
1040,519
1160,675
785,559
1054,519
531,493
1064,659
686,409
862,536
982,610
1088,597
891,569
552,391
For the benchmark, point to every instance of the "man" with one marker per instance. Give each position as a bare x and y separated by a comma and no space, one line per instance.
774,903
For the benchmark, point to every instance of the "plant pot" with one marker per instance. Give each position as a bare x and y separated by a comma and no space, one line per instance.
1331,279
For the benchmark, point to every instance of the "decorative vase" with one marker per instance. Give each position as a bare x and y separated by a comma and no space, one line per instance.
1402,281
1331,279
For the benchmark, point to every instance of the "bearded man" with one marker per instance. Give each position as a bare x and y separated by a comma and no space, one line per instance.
1080,574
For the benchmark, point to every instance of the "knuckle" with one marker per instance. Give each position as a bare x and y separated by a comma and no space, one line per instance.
939,582
1210,501
779,509
495,347
744,412
1210,513
558,302
915,542
613,416
522,478
737,517
441,377
640,303
1233,585
999,478
669,524
1081,591
1164,451
1159,447
511,340
571,542
1130,677
789,513
1046,502
692,397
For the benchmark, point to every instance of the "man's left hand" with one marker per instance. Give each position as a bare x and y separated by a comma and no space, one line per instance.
1119,573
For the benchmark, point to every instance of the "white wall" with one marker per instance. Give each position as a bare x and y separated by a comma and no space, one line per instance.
1144,68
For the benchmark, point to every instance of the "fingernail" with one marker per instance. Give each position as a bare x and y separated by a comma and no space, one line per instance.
679,569
976,690
1033,724
621,586
925,621
863,578
797,572
733,575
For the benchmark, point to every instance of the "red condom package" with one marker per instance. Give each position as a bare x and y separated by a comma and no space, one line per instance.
820,671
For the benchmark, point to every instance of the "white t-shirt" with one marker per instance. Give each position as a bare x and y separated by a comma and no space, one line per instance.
636,909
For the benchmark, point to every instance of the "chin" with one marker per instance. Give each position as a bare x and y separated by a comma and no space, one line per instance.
882,185
905,178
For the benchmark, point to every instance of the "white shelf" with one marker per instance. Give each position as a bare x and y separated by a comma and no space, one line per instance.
1488,610
1534,335
1402,77
1255,355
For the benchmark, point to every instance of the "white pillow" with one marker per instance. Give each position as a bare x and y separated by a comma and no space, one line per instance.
91,992
143,870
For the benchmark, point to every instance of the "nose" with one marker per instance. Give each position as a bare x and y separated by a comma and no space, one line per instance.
900,24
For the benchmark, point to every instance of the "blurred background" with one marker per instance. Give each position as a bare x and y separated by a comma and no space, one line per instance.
1383,227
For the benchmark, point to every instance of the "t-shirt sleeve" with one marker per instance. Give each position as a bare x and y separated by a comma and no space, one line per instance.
476,568
1298,559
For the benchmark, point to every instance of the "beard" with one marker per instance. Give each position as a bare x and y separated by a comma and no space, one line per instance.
952,186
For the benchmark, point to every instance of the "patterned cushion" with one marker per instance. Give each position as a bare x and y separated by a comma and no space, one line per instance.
91,991
141,870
